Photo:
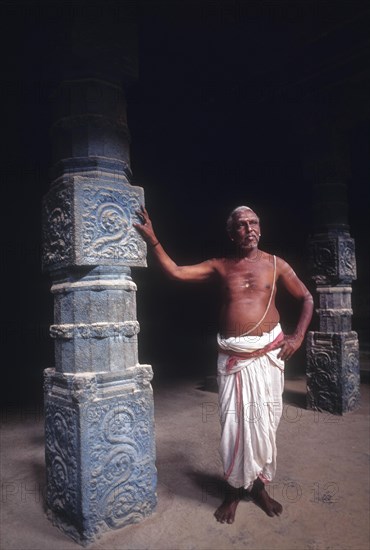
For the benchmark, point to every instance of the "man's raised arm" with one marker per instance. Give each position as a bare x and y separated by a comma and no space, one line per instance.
190,273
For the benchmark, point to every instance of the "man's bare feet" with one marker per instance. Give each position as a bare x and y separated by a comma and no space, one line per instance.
262,499
226,512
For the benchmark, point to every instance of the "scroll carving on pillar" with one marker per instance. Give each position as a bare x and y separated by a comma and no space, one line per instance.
351,374
90,222
100,452
57,225
61,441
333,259
333,375
347,259
323,376
121,446
107,231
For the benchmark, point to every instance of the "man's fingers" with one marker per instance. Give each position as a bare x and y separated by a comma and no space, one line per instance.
277,346
142,213
283,353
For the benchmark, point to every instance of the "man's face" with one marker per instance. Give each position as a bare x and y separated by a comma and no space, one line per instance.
246,230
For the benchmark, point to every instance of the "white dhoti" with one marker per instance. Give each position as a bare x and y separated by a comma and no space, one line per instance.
250,404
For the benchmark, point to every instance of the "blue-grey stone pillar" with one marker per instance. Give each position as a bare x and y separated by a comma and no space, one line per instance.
333,372
99,423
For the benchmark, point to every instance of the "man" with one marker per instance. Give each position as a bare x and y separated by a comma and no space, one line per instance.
252,351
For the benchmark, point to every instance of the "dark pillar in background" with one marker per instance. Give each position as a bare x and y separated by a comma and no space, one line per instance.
333,372
99,422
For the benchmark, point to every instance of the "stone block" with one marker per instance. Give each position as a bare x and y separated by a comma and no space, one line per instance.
95,327
100,451
332,258
333,372
89,222
84,347
89,121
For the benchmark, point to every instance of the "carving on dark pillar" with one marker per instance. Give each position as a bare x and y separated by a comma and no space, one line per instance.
333,373
99,418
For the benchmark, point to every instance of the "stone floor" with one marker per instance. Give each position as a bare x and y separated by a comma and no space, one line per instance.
322,481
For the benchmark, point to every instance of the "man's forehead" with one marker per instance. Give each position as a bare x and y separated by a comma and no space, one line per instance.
245,214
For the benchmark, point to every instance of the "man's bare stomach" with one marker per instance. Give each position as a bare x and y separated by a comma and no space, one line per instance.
236,321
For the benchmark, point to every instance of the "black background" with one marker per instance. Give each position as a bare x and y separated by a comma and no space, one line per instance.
206,137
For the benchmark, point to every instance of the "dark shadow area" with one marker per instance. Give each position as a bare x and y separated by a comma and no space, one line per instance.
297,398
213,124
365,376
212,486
40,480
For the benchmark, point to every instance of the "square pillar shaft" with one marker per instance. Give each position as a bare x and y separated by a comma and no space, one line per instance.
99,421
333,374
99,450
333,369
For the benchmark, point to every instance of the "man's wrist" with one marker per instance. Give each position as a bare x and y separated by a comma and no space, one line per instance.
153,245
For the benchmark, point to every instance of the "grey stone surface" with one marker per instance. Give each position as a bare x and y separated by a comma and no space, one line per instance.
333,371
332,258
95,326
333,374
88,222
99,424
100,451
335,308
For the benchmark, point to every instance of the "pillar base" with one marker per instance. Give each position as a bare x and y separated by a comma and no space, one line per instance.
100,450
333,372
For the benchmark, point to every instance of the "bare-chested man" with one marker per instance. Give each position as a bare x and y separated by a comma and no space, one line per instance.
252,353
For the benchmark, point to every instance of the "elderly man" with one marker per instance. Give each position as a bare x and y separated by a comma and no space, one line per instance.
252,351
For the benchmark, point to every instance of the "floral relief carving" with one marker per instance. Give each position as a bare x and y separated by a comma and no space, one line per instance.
57,227
107,230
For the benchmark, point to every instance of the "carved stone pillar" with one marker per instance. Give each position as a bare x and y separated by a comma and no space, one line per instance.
333,373
99,423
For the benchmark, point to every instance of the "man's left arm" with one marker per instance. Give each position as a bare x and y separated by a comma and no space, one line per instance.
291,282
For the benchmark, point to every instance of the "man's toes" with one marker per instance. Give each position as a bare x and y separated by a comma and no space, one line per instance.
277,508
230,520
220,516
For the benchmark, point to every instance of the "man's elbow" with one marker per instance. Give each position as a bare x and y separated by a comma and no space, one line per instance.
308,300
308,297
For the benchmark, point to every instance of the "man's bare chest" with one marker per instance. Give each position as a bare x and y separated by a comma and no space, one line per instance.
247,276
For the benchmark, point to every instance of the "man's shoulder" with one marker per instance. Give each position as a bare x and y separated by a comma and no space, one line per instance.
231,260
216,262
219,265
283,268
273,259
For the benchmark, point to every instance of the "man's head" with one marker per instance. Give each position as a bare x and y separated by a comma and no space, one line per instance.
243,227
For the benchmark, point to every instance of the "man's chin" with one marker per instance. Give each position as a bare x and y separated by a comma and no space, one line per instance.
250,245
245,248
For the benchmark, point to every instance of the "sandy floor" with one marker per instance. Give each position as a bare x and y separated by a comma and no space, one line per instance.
322,481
